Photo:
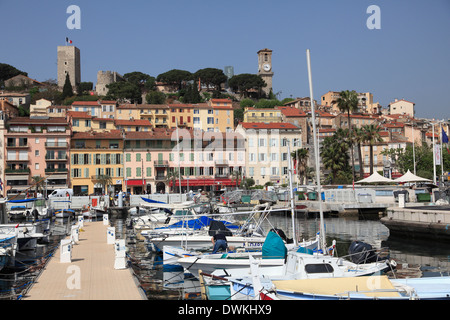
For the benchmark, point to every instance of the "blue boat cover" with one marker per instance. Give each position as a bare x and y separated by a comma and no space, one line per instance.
273,247
155,201
23,200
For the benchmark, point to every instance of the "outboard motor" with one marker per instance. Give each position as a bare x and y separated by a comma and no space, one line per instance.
361,252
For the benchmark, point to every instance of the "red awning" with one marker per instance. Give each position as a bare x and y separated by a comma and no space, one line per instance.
137,182
205,182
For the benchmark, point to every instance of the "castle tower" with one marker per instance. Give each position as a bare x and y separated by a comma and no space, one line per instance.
69,62
265,68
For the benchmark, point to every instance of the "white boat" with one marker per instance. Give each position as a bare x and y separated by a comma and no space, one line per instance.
18,212
270,256
28,233
378,287
8,247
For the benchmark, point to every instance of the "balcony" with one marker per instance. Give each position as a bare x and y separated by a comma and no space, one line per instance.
18,160
222,175
57,170
63,158
160,178
63,145
221,163
17,171
160,163
17,146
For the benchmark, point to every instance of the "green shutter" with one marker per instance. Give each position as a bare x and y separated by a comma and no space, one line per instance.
128,172
128,157
149,171
148,157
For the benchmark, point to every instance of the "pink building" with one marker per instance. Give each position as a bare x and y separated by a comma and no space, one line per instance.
36,148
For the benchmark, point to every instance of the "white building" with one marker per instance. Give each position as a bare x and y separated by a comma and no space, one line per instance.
266,150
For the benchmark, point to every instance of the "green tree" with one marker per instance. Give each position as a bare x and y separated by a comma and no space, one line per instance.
155,97
348,102
246,82
334,154
124,90
67,88
212,77
173,176
7,72
359,138
85,87
191,95
105,180
372,136
175,77
142,80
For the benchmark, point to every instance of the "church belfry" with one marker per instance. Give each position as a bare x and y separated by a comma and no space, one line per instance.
265,68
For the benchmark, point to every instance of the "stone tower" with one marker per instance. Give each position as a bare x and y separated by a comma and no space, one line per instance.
69,62
104,78
265,68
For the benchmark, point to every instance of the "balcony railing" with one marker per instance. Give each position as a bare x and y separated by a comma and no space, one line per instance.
63,158
57,170
160,178
17,146
17,171
56,145
161,163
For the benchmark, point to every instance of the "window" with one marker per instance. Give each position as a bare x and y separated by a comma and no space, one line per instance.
138,171
251,171
102,125
262,157
319,268
210,120
262,142
75,123
138,157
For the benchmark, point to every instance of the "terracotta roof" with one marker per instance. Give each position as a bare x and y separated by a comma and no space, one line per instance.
27,120
79,114
156,133
113,134
272,125
142,106
401,100
85,103
132,123
292,112
221,100
108,102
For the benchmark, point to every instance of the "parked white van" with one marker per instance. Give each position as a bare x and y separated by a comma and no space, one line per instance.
61,193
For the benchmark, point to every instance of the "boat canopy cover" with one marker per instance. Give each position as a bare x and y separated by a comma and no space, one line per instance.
23,200
273,247
217,227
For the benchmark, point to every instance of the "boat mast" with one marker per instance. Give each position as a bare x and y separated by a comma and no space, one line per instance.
316,155
294,235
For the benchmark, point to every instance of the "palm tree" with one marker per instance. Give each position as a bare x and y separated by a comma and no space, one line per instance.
105,180
359,138
372,136
173,176
348,102
38,181
301,156
334,155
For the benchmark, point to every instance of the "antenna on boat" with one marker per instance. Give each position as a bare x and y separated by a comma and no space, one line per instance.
316,155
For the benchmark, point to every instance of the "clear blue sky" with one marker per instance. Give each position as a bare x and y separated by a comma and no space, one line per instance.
409,57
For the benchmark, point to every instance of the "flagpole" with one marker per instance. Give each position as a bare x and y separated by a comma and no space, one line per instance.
414,151
442,155
434,157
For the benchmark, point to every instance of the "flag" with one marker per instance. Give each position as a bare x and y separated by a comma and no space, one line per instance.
68,41
445,139
1,185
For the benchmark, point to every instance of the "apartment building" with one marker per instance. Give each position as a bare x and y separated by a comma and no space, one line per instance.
266,150
36,148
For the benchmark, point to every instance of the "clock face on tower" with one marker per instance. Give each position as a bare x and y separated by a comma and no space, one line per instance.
266,67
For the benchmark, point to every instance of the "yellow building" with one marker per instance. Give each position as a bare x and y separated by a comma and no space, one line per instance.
262,115
216,115
180,114
96,154
157,114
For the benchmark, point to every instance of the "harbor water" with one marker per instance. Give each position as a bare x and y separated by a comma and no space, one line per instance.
415,258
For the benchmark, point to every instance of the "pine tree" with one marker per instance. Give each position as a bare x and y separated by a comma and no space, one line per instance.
67,89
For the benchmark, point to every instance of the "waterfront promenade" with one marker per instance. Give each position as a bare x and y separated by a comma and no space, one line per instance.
89,276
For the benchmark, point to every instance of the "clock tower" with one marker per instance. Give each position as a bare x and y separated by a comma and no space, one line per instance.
265,68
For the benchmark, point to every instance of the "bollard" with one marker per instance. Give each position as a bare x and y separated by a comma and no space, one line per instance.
65,250
74,234
401,200
111,235
81,221
105,219
120,253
